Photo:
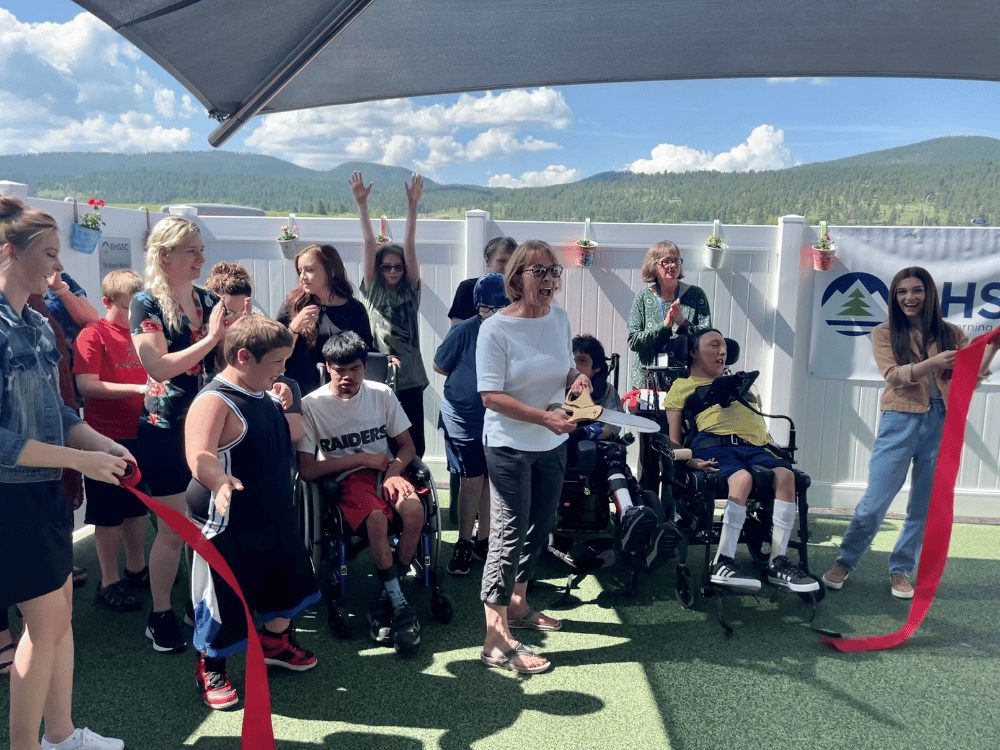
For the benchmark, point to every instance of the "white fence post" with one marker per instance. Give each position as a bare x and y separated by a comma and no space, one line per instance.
10,189
789,295
475,240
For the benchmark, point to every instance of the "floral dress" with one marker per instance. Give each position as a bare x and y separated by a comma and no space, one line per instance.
646,335
167,403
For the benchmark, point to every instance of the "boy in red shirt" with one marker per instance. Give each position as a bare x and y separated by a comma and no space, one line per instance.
112,382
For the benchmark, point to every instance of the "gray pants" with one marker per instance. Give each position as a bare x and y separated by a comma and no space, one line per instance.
524,493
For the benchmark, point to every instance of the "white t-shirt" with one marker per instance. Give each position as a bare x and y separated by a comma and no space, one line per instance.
529,359
336,428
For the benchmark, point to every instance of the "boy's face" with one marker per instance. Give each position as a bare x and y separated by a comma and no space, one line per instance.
345,380
118,302
260,376
710,357
584,364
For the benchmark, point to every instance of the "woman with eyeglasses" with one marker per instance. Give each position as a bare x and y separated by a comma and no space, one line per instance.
664,315
390,288
461,419
524,363
176,327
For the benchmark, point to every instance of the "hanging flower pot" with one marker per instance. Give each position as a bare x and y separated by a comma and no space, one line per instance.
715,252
585,253
823,250
84,240
289,248
823,257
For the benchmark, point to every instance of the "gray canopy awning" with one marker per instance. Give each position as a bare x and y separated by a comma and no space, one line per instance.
246,57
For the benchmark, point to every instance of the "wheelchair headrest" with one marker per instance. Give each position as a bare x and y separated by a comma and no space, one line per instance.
377,368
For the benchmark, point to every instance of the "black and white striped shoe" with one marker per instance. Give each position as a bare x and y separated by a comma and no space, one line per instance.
784,574
725,573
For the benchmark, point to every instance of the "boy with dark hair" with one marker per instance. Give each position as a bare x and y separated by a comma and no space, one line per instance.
731,439
112,382
638,530
348,423
239,450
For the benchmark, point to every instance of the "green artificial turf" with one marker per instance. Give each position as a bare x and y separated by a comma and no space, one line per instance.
630,672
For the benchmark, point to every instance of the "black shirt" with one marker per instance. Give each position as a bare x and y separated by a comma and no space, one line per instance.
463,306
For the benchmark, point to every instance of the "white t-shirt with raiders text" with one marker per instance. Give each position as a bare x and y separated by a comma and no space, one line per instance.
336,428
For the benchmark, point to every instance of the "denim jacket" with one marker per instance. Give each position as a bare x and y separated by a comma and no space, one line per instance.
30,405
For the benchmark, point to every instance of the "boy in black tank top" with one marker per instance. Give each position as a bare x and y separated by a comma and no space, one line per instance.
239,449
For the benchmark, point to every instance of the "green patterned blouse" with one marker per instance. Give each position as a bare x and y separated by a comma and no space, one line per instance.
647,335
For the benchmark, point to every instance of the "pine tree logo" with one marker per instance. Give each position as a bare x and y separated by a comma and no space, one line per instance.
861,301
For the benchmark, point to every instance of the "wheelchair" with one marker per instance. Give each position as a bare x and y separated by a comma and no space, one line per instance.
691,496
584,536
333,545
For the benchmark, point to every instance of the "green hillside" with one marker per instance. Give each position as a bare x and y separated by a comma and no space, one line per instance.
962,174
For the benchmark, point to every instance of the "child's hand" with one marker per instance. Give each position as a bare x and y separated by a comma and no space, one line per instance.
701,464
415,190
283,392
223,496
357,183
396,488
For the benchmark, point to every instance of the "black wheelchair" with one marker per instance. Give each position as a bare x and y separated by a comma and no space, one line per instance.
584,536
333,545
690,495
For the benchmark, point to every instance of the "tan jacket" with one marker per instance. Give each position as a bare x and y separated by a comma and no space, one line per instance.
902,392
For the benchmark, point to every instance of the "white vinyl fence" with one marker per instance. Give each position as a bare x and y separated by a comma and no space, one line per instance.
762,297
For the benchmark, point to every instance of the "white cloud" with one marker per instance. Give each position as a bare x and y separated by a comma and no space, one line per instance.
84,90
763,149
815,81
405,134
554,174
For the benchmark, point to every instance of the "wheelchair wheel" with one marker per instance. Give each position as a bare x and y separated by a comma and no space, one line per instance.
442,608
685,591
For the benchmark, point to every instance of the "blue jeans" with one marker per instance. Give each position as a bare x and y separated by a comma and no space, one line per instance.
902,438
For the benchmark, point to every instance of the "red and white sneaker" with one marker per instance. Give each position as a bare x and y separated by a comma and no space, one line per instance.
281,650
213,683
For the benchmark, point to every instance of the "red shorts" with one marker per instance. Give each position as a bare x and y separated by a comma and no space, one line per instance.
360,496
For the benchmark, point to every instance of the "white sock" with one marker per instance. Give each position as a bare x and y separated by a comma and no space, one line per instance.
782,521
732,524
619,492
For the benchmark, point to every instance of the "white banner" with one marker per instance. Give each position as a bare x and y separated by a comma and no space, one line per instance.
852,298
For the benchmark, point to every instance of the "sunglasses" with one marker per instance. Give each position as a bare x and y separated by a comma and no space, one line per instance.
390,267
539,271
664,262
489,309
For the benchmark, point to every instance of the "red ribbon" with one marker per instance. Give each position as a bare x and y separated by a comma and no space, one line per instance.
258,734
941,513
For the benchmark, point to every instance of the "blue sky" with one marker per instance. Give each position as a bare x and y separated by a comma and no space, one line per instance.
71,84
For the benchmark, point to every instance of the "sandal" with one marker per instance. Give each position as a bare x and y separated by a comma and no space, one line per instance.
5,662
532,620
506,660
118,597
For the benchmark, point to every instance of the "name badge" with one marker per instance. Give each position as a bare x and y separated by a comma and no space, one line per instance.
663,360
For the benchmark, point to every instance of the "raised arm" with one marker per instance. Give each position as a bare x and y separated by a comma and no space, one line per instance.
361,193
414,192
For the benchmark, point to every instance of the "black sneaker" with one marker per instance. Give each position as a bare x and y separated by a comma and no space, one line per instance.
461,559
405,629
725,573
480,549
165,633
635,529
380,620
663,544
785,575
117,597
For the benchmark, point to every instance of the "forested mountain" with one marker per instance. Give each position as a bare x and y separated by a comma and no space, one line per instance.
942,181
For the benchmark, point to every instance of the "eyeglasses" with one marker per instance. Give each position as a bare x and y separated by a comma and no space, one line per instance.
539,271
489,309
390,267
664,262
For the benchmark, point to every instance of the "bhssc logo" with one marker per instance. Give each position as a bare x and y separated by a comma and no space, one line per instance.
854,303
